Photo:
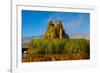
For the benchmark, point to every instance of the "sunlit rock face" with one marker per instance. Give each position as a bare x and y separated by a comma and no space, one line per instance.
55,30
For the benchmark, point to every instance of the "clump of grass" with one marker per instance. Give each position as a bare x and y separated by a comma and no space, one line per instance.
74,48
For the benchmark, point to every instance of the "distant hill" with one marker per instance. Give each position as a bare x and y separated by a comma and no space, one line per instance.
80,36
28,39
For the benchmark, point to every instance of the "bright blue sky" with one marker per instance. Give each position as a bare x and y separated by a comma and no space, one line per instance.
34,23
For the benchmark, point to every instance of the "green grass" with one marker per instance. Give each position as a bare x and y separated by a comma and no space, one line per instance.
60,46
